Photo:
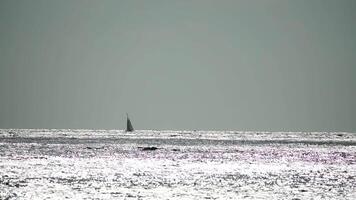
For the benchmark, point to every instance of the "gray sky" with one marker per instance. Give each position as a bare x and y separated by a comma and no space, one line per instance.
274,65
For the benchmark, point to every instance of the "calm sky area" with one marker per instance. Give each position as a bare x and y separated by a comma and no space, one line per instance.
249,65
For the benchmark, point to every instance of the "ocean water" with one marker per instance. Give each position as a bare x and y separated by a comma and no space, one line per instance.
147,164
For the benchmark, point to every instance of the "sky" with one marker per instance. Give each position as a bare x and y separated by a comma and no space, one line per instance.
248,65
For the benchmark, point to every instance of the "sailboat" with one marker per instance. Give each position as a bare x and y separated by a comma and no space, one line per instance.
129,127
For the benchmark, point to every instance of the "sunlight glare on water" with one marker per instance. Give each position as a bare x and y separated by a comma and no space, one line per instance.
112,164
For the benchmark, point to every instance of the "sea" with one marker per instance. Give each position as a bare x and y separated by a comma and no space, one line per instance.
153,164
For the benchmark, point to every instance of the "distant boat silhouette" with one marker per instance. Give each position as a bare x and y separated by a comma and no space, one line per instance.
129,127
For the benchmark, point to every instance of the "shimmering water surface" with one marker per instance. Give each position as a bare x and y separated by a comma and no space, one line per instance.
112,164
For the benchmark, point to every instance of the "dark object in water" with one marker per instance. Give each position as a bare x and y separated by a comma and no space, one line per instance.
129,127
94,147
148,148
